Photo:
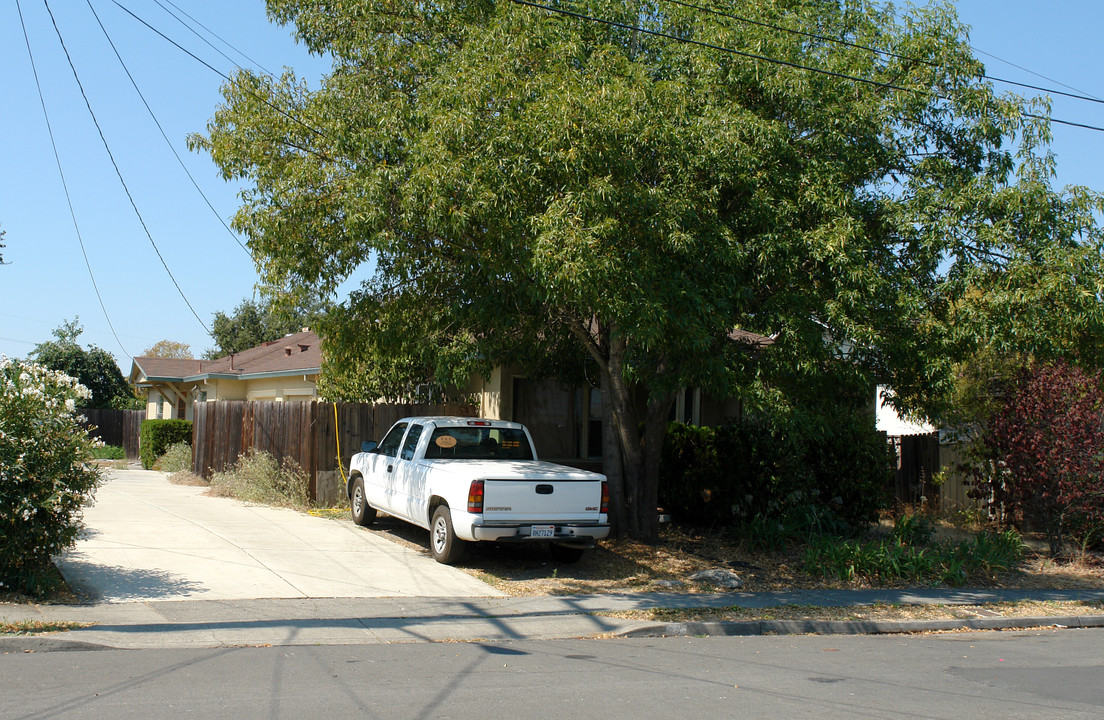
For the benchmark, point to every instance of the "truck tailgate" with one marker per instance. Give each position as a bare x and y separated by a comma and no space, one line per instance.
551,501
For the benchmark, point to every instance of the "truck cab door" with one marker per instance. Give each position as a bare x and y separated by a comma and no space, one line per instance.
405,491
377,486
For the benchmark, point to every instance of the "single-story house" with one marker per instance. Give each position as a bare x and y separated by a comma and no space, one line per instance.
282,370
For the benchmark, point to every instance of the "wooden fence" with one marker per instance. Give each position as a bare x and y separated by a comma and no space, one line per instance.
303,431
919,459
917,464
116,427
954,492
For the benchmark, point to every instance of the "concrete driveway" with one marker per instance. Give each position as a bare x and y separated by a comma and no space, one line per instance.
147,539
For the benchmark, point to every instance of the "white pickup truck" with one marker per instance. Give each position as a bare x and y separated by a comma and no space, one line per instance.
467,479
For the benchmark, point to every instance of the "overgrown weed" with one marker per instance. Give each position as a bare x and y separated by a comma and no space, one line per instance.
257,477
177,458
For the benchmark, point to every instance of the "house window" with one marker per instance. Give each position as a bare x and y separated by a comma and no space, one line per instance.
588,422
594,424
687,407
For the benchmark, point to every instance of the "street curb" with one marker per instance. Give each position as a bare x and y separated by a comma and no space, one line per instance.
855,627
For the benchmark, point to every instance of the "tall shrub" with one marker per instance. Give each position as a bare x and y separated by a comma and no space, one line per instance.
1047,440
45,476
156,436
774,466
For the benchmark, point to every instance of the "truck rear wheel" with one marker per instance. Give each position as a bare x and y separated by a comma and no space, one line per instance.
443,543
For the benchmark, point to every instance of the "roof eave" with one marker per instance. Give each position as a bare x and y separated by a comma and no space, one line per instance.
252,376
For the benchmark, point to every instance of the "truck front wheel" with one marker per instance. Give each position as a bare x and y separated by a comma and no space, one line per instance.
446,547
363,513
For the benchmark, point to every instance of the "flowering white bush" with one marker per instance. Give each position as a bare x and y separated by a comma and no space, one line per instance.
45,474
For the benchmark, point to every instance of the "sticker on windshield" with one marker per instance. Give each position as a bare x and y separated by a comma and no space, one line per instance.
446,441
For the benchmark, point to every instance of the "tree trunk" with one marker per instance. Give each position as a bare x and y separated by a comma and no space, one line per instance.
632,437
641,453
613,464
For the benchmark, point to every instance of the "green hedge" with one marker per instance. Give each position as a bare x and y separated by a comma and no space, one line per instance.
794,466
157,435
108,452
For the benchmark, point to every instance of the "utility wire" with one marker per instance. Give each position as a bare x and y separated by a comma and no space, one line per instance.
25,342
64,184
212,32
775,61
226,77
885,53
710,46
163,133
118,172
1032,72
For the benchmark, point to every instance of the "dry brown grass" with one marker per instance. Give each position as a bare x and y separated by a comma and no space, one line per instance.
39,627
877,612
185,477
1040,571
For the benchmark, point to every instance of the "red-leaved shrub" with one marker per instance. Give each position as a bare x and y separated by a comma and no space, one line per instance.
1047,445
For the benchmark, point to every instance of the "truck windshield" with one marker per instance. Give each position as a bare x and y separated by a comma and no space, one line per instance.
478,443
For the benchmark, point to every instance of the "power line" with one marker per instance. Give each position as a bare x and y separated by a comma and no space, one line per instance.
118,172
878,51
774,61
710,46
64,184
1032,72
226,77
212,32
8,339
163,133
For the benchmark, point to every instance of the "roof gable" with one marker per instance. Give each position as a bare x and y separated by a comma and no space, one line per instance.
151,368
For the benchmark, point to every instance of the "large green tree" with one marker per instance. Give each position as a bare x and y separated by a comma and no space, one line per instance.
93,367
522,186
255,322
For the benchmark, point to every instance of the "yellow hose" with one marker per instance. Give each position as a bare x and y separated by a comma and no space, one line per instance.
337,437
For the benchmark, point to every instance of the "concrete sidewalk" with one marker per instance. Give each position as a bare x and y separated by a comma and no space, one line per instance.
360,621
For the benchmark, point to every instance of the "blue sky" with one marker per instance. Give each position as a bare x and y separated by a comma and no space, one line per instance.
48,282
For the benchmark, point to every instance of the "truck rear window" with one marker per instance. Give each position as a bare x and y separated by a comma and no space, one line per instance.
478,443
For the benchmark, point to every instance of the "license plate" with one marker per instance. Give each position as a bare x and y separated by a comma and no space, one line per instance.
543,531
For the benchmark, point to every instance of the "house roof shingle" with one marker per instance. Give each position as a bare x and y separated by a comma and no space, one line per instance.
290,355
755,340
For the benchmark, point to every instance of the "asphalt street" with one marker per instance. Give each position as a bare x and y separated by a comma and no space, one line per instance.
1047,674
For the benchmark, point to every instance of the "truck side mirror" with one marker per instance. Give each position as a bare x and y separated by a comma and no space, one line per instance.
368,446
